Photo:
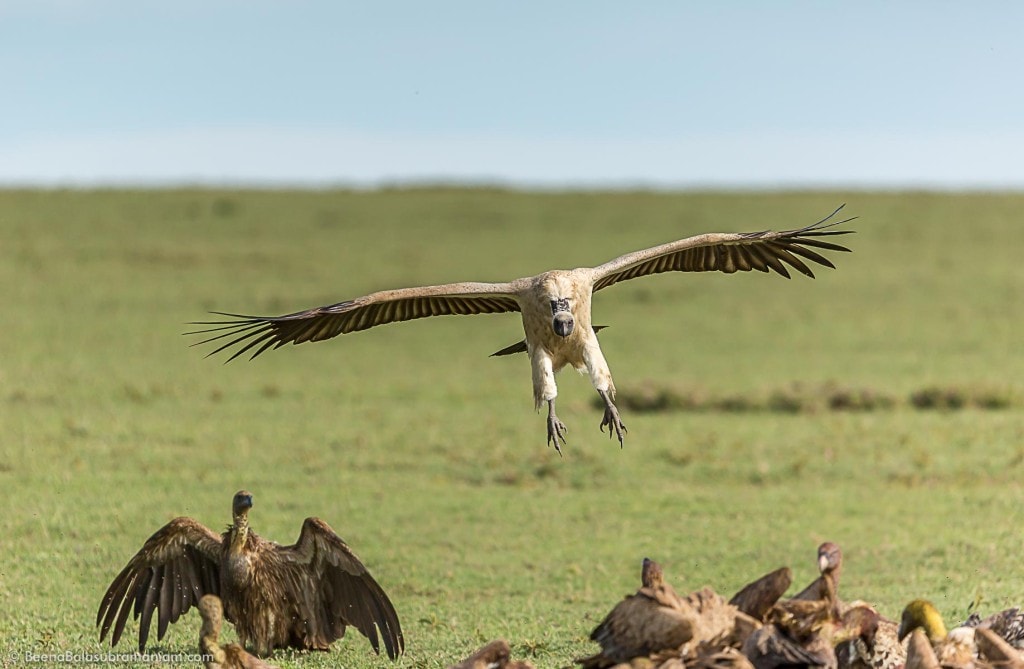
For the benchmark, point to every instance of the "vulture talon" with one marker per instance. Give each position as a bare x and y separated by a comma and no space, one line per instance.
611,418
556,431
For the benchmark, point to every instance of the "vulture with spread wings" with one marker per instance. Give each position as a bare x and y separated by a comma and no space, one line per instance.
555,306
299,596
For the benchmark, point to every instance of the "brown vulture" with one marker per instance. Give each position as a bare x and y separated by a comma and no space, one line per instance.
555,306
830,566
299,596
653,621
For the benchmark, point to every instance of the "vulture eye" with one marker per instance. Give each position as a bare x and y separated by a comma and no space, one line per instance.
560,304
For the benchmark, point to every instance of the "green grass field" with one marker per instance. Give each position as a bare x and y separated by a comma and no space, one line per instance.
427,456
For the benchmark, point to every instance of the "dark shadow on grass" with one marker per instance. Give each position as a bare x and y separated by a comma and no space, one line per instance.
800,398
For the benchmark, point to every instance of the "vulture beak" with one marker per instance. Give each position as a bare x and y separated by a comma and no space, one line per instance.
904,630
823,563
562,323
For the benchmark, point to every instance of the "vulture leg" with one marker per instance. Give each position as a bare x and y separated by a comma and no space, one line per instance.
556,428
611,417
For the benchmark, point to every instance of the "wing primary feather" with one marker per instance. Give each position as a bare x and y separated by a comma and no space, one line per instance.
268,334
114,594
116,600
148,604
165,602
119,623
769,260
231,331
268,342
236,340
828,246
223,325
811,255
743,260
784,255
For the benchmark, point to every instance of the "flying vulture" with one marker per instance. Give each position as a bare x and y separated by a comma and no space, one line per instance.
299,596
555,306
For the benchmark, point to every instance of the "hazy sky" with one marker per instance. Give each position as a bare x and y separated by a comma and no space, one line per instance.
554,93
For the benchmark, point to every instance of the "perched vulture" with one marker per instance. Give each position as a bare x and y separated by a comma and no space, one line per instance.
658,627
300,596
830,564
495,655
216,656
652,622
555,306
956,648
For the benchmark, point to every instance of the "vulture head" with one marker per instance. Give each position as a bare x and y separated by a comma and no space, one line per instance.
562,321
241,504
830,558
651,574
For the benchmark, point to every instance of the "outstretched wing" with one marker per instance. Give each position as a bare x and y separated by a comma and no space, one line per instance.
173,569
729,252
389,306
333,589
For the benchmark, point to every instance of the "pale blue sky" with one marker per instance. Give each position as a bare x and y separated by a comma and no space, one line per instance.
549,93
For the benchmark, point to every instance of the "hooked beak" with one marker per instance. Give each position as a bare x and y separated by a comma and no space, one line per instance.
242,502
903,631
562,324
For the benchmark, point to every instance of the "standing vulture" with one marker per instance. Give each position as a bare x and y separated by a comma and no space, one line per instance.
299,596
555,306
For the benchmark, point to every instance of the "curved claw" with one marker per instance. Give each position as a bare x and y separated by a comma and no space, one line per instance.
556,431
612,420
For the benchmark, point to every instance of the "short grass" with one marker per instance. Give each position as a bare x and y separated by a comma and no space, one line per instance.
427,456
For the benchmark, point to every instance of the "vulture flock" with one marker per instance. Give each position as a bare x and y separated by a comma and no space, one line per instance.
307,594
759,628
